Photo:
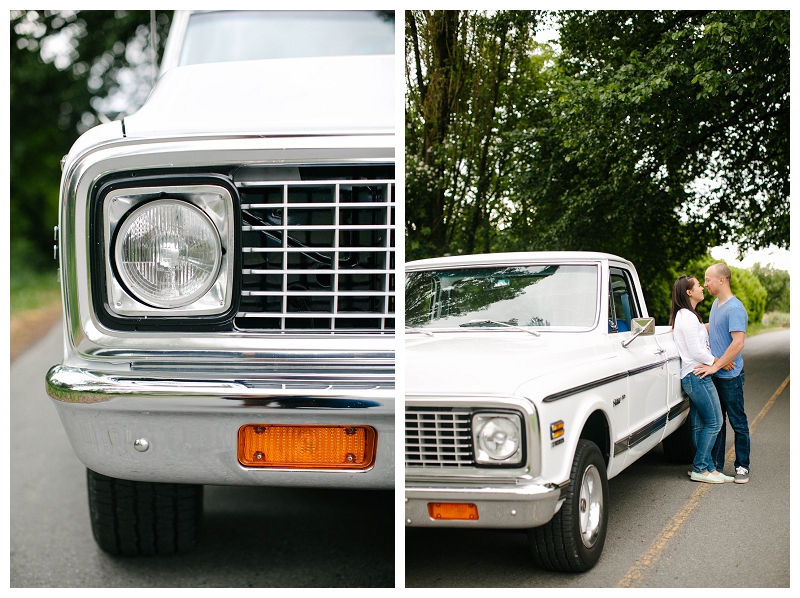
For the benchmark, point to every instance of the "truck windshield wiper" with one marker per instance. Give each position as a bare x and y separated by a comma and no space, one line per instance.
420,330
484,322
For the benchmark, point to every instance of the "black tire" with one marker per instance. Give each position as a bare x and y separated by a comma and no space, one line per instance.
143,518
678,446
559,545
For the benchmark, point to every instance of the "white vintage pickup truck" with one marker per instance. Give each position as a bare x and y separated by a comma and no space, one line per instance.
227,267
532,379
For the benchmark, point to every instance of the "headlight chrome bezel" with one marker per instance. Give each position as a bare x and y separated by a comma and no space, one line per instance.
216,198
482,456
211,289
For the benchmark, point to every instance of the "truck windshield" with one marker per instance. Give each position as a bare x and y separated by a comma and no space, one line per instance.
544,295
255,35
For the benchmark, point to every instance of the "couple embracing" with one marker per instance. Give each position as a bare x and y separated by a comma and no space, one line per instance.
712,372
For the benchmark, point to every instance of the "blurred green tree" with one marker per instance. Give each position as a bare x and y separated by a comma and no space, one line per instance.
68,71
472,80
744,284
776,282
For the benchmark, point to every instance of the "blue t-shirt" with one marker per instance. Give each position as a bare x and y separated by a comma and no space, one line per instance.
730,317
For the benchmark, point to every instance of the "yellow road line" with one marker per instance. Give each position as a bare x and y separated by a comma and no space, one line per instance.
653,553
643,563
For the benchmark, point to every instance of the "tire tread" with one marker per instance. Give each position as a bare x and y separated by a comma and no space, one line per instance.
143,518
555,545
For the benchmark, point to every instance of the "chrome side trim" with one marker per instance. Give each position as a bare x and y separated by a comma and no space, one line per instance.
676,410
601,382
583,387
646,431
646,368
651,428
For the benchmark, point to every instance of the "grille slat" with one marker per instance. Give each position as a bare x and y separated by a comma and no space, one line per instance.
311,293
438,438
318,255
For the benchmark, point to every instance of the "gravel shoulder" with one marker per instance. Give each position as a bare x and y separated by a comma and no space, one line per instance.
30,326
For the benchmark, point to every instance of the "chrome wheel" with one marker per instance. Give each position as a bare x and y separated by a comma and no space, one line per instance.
573,540
590,506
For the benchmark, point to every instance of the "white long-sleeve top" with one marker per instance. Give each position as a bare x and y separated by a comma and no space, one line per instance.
691,337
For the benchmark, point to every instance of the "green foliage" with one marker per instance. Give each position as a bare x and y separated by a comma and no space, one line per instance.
33,280
55,96
29,290
750,292
653,135
473,83
689,109
776,282
744,284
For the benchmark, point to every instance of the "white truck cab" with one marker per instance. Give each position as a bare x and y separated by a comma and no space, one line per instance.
531,379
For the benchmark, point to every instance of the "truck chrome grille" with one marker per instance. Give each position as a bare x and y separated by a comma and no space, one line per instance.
438,438
318,256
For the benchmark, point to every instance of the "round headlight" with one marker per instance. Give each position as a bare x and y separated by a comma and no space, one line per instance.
498,437
168,253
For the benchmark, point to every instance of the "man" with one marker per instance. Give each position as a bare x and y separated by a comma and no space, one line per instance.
726,330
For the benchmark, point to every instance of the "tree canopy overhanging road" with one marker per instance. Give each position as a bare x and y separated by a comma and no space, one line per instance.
650,134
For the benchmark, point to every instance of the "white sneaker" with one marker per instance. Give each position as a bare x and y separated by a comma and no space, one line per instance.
742,475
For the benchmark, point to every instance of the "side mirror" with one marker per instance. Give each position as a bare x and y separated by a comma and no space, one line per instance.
641,327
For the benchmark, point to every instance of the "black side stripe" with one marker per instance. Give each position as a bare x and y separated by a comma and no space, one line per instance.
601,382
588,386
649,429
676,410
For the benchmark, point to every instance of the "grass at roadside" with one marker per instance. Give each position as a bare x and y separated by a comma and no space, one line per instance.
35,300
33,291
771,321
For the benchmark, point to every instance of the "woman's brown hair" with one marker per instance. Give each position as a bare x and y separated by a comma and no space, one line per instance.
680,300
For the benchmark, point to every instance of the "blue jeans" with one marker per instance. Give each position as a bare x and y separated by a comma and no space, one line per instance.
731,397
706,418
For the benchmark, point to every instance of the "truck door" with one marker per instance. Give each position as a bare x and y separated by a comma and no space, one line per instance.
646,366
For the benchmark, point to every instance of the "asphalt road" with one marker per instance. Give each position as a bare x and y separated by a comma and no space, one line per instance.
663,532
251,537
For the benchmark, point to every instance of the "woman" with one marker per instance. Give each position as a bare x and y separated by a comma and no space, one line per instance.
691,337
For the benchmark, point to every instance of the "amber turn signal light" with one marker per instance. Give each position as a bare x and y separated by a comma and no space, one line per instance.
453,510
307,447
556,430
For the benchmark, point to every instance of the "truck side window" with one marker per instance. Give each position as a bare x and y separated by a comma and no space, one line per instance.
622,307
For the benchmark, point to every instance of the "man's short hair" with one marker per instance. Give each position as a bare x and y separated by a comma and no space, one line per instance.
722,271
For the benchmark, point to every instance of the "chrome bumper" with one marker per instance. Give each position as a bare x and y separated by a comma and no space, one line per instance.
516,507
191,426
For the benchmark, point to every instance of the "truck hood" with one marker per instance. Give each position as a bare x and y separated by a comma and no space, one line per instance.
295,96
497,362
